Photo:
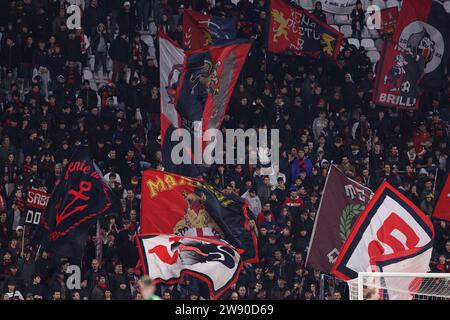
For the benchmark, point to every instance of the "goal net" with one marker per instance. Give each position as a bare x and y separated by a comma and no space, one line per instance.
400,286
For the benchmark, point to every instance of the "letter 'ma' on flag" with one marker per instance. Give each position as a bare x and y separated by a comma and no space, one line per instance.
293,28
174,204
391,230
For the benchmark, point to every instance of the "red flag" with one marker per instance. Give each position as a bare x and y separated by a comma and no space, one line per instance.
174,204
294,28
388,20
415,57
195,30
442,209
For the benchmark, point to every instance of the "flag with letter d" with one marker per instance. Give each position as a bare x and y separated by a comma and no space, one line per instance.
166,258
391,234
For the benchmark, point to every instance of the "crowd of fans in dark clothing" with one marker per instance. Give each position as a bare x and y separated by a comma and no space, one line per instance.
323,110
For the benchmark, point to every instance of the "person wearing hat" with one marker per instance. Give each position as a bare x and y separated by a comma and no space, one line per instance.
127,20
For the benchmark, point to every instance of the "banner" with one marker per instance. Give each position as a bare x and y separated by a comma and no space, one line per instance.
203,93
171,59
388,232
296,29
201,30
75,204
388,20
416,57
342,201
166,258
174,204
343,7
442,208
37,200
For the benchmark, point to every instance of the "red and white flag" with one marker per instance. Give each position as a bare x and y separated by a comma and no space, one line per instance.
166,258
391,234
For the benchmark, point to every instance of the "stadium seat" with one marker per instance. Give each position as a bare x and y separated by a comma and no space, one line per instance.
346,30
307,4
329,17
380,3
392,3
368,44
447,6
366,3
87,74
374,33
365,33
354,42
148,40
374,56
341,19
334,26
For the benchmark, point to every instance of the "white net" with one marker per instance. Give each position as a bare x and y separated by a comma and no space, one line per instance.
400,286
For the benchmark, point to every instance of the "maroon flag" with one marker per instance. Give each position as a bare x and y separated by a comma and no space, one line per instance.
342,201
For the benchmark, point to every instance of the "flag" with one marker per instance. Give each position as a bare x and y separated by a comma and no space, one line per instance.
390,234
442,208
174,204
37,200
416,56
203,92
201,30
294,28
342,201
170,68
342,7
76,203
166,258
388,20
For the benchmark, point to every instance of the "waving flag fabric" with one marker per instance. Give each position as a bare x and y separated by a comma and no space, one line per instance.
174,204
391,234
166,258
416,57
296,29
201,30
342,201
442,208
76,203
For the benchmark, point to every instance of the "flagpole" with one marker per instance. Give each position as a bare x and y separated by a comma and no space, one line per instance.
435,180
23,238
316,218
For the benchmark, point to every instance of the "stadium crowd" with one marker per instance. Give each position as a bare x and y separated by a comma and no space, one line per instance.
323,109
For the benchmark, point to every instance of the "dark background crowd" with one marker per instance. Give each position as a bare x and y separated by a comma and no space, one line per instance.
100,84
